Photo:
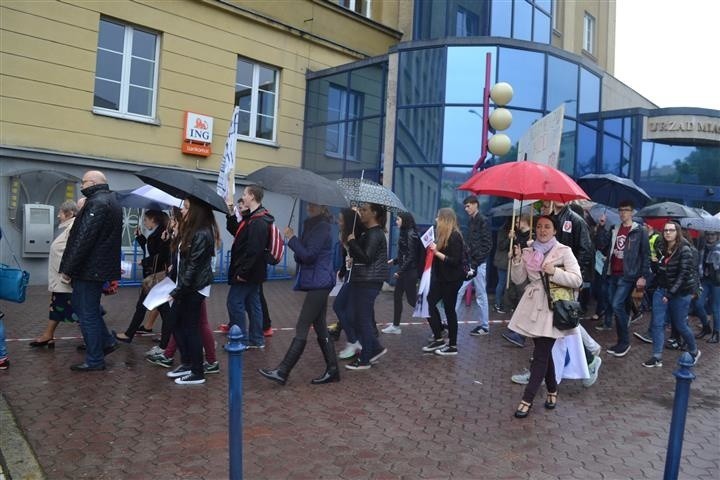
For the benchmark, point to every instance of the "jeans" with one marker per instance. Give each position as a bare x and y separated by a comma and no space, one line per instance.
362,303
86,303
406,284
480,283
677,308
341,307
187,331
619,290
500,287
208,340
713,293
245,298
3,347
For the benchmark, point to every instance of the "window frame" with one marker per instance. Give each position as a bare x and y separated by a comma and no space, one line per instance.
127,56
348,97
254,102
589,33
352,6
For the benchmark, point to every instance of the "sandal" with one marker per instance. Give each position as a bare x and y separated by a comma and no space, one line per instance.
523,409
551,400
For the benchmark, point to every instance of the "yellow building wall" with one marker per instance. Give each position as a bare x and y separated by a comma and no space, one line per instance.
570,24
47,73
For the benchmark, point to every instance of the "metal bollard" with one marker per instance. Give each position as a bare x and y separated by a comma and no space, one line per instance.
684,377
235,388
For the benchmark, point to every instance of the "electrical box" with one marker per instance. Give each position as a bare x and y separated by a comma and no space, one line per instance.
38,229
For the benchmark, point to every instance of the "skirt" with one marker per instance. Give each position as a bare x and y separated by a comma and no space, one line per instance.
61,309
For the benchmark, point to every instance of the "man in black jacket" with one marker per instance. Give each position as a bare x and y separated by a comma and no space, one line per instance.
248,267
91,258
479,242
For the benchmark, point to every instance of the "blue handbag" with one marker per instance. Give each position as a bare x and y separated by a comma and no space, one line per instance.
13,281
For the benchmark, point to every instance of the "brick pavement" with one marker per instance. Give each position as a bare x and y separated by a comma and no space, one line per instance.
413,416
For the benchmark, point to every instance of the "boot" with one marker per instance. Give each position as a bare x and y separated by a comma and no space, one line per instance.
714,338
332,372
706,330
281,372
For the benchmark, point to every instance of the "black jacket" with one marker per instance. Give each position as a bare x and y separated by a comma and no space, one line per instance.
479,240
573,231
195,270
158,251
677,273
247,257
408,248
450,269
369,254
93,246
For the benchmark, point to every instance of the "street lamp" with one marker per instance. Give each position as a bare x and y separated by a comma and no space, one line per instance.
501,118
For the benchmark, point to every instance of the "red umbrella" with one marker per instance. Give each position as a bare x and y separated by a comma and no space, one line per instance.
523,180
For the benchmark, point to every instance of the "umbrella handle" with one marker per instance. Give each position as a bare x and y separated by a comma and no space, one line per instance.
292,212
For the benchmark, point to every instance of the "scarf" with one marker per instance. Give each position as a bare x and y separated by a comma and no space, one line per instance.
534,258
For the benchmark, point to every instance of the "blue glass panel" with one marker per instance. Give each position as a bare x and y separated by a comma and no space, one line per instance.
613,126
625,161
524,70
627,129
522,20
611,155
521,123
323,97
421,77
466,73
562,79
544,4
430,19
566,162
586,151
680,164
541,27
589,92
419,190
368,83
501,16
418,136
462,136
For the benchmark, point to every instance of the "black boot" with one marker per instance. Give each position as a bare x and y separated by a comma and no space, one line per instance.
706,330
281,372
332,372
714,338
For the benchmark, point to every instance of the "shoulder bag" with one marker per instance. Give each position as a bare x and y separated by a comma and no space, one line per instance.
566,313
13,281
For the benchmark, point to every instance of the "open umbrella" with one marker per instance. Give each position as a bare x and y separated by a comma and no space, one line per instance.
361,190
523,180
705,223
610,189
300,183
507,209
182,184
667,210
147,197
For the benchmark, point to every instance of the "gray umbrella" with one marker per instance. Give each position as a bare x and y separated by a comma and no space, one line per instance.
300,183
361,190
667,210
706,222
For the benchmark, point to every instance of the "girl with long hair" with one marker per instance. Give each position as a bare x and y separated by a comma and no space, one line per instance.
407,261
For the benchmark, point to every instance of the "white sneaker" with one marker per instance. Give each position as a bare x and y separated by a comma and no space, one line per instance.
392,329
594,369
350,350
522,378
154,351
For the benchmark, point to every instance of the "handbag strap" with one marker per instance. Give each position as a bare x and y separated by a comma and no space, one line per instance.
546,285
12,252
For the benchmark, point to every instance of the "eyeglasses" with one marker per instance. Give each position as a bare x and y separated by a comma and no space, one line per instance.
670,230
624,209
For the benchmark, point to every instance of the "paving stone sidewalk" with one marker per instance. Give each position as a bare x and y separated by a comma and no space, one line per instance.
413,416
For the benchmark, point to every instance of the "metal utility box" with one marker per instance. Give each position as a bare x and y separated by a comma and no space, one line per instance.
38,229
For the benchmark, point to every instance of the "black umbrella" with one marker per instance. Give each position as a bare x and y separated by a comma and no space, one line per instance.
300,183
667,210
610,189
182,185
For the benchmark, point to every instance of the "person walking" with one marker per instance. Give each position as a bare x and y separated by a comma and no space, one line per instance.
533,317
710,281
313,255
446,278
92,257
407,261
500,261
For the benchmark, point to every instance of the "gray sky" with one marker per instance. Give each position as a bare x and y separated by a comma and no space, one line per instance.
662,45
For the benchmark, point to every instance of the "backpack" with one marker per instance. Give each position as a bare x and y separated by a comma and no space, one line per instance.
275,247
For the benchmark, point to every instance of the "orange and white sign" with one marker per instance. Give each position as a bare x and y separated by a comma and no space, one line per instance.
198,133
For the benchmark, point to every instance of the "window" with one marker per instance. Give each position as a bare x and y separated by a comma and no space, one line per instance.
589,33
126,71
358,6
344,107
256,95
467,23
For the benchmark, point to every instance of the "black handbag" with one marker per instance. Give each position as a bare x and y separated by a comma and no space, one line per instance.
566,313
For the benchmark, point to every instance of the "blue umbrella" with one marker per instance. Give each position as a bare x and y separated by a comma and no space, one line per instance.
610,189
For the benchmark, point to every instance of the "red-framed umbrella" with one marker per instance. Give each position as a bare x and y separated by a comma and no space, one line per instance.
523,180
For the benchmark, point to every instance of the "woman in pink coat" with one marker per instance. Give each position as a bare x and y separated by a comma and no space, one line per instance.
532,317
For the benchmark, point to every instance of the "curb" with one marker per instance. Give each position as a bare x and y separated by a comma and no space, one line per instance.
17,457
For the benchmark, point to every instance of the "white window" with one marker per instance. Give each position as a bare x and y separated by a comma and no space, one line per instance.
589,33
341,133
256,88
358,6
126,71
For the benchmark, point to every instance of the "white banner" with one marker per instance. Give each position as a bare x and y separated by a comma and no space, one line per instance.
541,143
226,175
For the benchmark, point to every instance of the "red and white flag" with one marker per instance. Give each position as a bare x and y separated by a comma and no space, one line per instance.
421,305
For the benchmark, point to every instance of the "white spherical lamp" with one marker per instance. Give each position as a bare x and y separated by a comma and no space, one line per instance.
500,119
499,144
501,93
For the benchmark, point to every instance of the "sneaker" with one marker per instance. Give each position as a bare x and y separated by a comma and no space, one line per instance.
602,328
213,367
224,327
447,350
522,378
255,346
377,356
479,331
268,332
443,333
498,309
358,365
643,338
594,369
4,363
514,338
179,371
635,318
154,351
652,362
434,345
350,350
190,379
618,350
696,357
673,344
161,360
392,329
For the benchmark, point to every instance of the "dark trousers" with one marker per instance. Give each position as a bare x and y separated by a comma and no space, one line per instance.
341,306
266,322
406,284
447,292
362,304
187,331
541,367
168,324
313,312
139,315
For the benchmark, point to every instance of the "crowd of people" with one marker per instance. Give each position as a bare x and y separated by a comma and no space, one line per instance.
626,270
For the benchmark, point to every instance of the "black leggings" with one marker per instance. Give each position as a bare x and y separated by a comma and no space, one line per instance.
187,330
406,283
313,312
447,292
541,367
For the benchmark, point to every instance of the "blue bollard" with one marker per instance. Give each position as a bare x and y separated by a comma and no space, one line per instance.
684,377
235,388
